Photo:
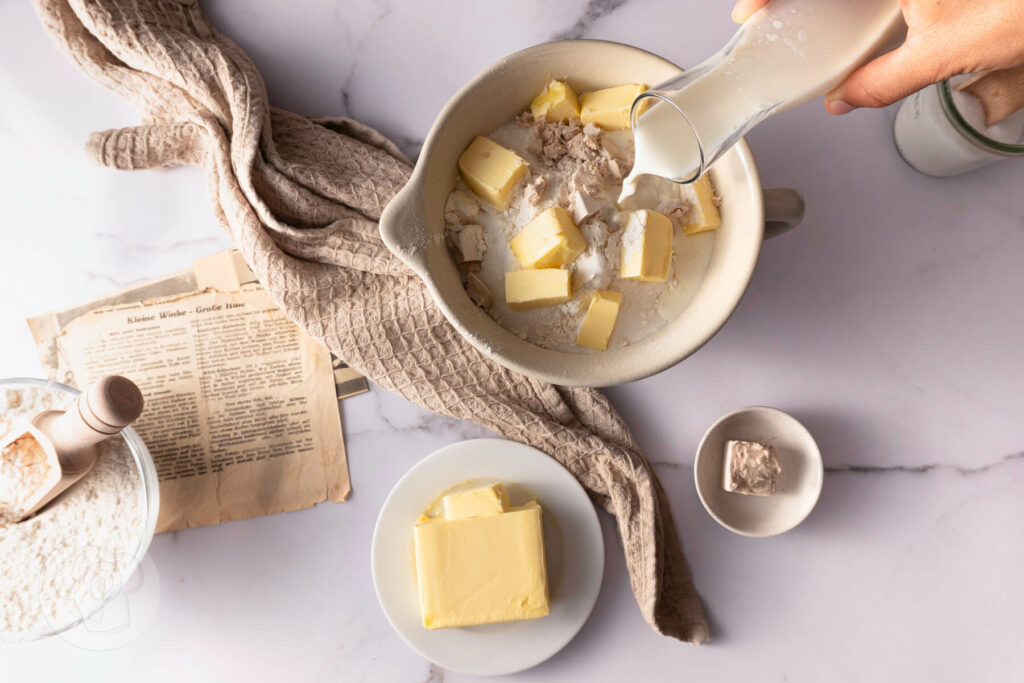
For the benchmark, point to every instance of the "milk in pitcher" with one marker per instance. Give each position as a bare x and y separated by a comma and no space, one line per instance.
788,53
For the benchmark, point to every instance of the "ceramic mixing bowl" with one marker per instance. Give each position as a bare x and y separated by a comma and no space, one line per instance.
413,225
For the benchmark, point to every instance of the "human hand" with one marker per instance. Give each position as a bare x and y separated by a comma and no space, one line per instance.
945,38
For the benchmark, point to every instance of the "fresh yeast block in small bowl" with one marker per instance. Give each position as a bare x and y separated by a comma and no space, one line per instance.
795,488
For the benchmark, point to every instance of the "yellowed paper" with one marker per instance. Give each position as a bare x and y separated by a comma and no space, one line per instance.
241,409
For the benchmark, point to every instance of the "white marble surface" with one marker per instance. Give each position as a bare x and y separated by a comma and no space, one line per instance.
891,323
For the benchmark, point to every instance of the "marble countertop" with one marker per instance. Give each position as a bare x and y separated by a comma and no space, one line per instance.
890,322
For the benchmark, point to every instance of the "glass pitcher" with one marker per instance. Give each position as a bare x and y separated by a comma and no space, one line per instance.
788,53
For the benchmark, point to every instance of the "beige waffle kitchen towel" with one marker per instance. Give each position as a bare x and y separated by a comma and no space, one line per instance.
301,198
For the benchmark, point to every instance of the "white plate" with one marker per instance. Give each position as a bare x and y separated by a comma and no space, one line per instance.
799,483
573,546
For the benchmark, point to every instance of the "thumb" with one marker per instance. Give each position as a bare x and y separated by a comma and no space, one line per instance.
745,9
885,80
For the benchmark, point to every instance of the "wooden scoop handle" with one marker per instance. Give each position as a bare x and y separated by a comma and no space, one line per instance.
104,409
1001,92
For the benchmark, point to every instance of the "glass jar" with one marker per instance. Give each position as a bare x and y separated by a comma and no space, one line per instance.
940,131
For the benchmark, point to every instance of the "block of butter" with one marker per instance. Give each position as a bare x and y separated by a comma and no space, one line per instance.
750,467
476,502
491,170
646,247
550,240
704,215
610,108
526,289
483,569
557,102
599,321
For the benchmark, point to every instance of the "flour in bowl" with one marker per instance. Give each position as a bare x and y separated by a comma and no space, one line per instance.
59,565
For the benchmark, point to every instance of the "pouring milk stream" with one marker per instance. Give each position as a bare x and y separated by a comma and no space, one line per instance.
786,54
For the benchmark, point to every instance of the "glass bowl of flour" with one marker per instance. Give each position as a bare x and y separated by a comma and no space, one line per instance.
59,567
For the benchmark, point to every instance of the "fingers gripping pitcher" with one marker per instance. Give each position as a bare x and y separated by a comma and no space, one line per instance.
788,53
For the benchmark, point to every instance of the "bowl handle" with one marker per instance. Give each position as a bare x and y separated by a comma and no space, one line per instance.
783,211
402,228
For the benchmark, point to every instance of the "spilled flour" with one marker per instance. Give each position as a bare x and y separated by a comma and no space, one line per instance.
56,567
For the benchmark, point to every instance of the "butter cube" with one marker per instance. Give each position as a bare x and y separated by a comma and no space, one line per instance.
525,289
646,247
610,108
599,321
482,570
550,240
483,500
557,102
704,215
491,171
750,467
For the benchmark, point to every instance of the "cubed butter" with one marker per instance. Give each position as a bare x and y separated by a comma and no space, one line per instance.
610,108
750,467
491,171
557,102
646,247
476,502
526,289
482,570
704,214
599,321
550,240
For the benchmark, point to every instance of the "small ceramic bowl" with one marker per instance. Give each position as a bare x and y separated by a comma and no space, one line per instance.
799,482
412,225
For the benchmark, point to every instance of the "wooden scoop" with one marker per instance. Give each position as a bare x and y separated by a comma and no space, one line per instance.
1001,92
69,438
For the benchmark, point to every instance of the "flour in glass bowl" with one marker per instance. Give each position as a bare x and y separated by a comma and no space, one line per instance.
58,566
